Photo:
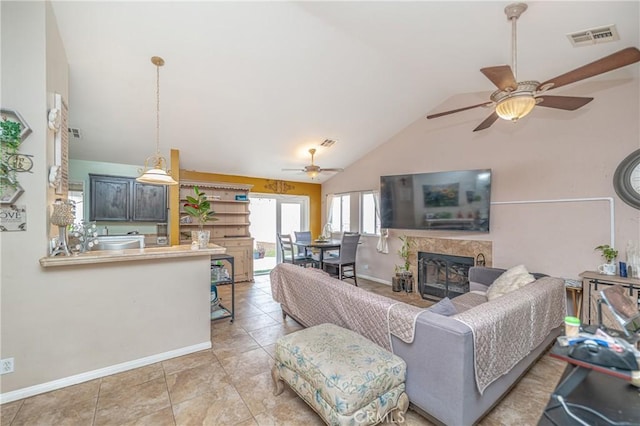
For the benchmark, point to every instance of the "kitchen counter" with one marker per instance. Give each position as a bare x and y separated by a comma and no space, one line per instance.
148,253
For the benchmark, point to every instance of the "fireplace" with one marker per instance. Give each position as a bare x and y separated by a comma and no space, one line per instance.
443,275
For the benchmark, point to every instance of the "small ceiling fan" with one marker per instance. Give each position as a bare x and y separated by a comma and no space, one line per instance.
514,99
312,170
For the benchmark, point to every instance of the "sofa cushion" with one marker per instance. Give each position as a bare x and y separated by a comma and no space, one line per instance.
512,279
444,307
467,301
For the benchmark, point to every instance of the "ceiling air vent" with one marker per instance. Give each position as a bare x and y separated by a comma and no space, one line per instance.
327,143
594,36
74,133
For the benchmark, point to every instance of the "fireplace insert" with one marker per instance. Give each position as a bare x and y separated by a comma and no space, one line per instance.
443,275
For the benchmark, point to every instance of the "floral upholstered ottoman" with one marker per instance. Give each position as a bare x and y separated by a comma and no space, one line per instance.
344,377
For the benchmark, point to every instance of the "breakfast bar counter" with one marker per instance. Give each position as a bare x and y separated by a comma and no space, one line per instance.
128,255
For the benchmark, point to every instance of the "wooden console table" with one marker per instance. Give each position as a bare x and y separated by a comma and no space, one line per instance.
592,283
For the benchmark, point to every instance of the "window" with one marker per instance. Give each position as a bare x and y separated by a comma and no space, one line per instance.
369,222
341,213
354,211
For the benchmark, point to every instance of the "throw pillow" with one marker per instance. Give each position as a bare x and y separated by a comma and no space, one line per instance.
443,307
510,280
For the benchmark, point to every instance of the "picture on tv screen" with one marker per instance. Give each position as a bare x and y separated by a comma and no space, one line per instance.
456,201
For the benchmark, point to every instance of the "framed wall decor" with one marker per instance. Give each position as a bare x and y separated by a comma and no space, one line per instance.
13,218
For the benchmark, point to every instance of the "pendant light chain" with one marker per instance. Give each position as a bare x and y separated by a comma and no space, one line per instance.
158,109
514,48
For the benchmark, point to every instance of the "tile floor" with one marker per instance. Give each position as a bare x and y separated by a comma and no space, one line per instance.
230,384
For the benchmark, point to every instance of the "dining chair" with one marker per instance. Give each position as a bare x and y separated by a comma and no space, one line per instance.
288,252
345,263
305,237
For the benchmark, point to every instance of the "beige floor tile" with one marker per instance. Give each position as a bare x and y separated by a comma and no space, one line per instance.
192,382
243,366
64,412
175,365
73,405
255,322
225,327
257,393
291,412
9,410
131,403
271,350
247,310
269,335
225,348
162,417
223,406
132,377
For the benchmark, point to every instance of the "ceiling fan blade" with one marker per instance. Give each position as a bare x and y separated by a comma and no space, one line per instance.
617,60
487,122
332,170
501,76
293,170
440,114
569,103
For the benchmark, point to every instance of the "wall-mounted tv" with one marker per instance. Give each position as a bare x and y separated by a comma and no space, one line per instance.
452,201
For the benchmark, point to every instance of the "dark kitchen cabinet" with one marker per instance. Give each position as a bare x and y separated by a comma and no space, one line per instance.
123,199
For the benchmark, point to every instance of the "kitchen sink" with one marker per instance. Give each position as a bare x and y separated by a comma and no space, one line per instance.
119,242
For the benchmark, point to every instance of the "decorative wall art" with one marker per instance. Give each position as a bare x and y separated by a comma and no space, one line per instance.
13,131
13,218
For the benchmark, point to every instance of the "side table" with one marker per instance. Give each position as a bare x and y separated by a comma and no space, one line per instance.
589,392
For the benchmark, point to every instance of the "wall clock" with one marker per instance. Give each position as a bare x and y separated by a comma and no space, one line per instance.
626,179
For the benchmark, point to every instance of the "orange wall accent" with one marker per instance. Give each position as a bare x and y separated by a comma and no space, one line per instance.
260,185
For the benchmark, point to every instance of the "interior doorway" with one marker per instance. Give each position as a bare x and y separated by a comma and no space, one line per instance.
272,214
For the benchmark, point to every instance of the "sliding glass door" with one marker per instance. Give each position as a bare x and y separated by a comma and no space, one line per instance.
272,214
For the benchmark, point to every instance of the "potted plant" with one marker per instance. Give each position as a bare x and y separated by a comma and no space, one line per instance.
199,208
609,254
404,278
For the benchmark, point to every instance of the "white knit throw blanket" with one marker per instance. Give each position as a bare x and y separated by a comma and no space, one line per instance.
507,329
313,297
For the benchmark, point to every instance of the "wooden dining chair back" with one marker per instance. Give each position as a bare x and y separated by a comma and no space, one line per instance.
288,252
345,263
311,256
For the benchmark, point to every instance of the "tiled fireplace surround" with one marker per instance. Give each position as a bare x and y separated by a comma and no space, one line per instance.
467,248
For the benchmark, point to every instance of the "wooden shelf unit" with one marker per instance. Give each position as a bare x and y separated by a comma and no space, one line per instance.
231,227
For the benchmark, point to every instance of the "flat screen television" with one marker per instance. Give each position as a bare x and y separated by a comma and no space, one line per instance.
452,201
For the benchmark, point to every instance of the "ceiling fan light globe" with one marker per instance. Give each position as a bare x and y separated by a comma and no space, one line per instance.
312,173
515,107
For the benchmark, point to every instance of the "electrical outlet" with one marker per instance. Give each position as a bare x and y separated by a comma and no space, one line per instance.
6,366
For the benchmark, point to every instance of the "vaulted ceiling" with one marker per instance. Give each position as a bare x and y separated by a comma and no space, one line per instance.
249,87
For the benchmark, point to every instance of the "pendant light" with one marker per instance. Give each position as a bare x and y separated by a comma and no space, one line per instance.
155,166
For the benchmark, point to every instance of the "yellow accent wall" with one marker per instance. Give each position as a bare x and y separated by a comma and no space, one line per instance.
260,185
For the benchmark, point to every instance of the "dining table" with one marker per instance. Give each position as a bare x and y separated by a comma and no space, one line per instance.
321,245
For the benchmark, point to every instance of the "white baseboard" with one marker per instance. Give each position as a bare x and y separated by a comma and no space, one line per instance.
378,280
101,372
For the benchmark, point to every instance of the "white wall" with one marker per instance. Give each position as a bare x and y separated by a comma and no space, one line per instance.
550,154
61,322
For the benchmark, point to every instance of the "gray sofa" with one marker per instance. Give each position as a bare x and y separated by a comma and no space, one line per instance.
442,376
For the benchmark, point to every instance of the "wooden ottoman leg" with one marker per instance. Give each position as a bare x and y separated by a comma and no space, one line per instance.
277,381
397,415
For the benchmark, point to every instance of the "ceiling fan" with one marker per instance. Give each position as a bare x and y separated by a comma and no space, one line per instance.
514,99
312,170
